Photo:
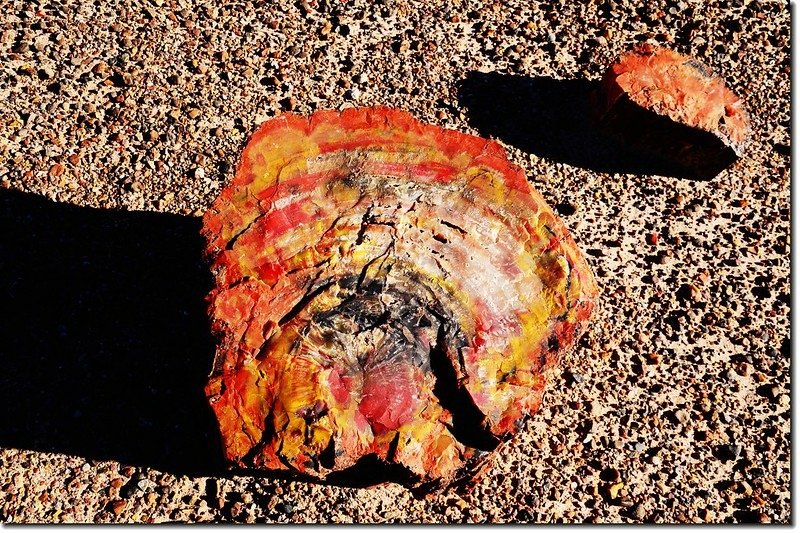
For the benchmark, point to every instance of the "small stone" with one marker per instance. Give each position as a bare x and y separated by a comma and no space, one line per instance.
118,506
354,94
729,452
652,239
193,113
101,68
682,416
576,377
27,70
41,42
21,47
289,104
7,37
56,170
637,512
774,391
613,490
610,474
743,369
199,173
145,484
45,73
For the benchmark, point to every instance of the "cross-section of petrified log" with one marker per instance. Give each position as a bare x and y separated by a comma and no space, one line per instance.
385,289
672,105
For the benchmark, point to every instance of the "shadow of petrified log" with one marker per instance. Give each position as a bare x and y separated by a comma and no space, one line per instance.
553,119
104,341
105,344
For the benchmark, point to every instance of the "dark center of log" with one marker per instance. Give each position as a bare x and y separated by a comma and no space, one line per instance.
384,342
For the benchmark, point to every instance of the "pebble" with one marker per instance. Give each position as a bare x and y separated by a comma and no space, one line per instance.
118,506
46,73
730,452
41,42
56,170
577,377
637,512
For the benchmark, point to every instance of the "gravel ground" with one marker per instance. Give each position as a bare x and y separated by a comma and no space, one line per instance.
120,122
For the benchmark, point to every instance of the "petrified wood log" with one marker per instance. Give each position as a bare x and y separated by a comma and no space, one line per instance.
673,106
385,289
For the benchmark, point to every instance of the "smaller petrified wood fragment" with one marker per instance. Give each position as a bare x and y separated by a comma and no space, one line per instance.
386,289
670,105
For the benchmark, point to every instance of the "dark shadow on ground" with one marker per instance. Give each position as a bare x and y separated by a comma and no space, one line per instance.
552,119
105,345
104,338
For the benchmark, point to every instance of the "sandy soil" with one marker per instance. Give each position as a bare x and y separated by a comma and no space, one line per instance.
121,121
